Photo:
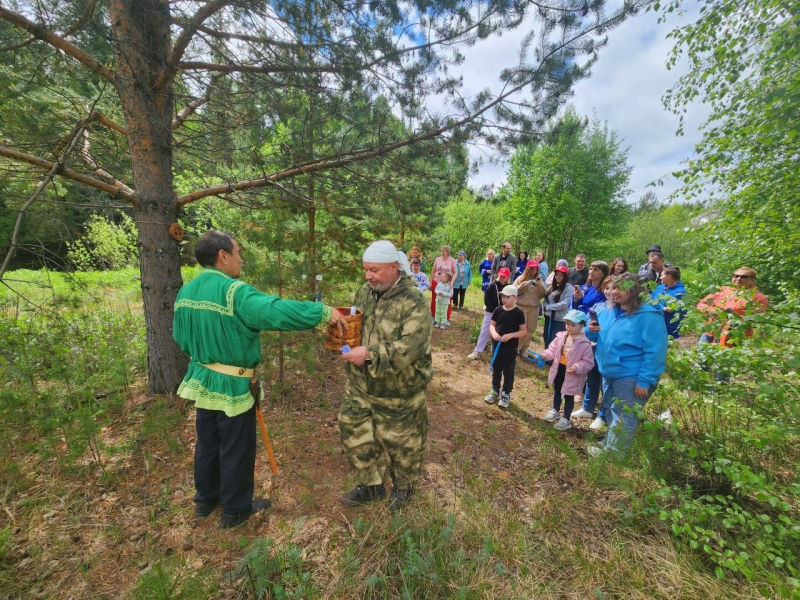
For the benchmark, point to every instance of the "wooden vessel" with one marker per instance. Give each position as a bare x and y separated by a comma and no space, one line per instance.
352,335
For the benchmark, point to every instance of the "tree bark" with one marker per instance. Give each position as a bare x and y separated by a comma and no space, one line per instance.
141,30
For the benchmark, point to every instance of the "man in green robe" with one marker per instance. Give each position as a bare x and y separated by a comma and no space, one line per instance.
384,407
217,323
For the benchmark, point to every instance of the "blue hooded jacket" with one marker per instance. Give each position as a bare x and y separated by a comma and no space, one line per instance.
631,345
591,296
671,319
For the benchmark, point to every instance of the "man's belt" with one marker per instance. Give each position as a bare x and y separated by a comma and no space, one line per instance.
230,370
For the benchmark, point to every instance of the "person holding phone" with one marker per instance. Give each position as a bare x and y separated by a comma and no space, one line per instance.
632,355
594,379
591,292
555,304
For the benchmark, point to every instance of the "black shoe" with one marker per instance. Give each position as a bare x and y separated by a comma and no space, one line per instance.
363,494
203,509
400,499
233,520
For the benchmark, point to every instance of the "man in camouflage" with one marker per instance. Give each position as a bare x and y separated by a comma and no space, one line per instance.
384,406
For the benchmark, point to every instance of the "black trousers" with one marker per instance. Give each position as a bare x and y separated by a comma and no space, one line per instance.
458,297
503,367
225,459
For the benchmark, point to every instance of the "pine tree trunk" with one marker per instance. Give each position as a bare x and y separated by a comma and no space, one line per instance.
144,25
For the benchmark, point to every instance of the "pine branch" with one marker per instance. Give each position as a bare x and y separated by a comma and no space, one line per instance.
185,38
55,40
68,173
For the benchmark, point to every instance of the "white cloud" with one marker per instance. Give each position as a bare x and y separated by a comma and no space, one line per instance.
625,89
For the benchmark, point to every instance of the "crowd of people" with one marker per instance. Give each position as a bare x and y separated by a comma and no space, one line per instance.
605,329
603,335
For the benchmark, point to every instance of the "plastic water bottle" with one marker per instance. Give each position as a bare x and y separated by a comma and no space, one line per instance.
345,349
353,311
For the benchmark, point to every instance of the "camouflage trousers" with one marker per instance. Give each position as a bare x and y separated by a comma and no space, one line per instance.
368,425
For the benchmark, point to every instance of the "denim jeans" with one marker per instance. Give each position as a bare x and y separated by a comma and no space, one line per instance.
623,405
594,382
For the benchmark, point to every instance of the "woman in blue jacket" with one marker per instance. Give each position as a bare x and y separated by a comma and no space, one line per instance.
631,354
485,269
591,292
667,294
462,280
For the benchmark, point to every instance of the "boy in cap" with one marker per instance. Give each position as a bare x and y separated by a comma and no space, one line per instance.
507,326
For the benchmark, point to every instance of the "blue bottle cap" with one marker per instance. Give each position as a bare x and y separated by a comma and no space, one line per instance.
345,349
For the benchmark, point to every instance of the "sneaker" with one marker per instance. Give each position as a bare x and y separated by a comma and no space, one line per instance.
203,509
552,415
598,425
447,323
505,400
400,499
474,356
363,494
582,414
229,520
596,451
491,397
562,424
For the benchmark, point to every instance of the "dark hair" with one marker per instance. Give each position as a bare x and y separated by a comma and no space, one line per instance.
527,256
673,272
602,265
208,246
416,261
631,284
614,262
560,289
656,253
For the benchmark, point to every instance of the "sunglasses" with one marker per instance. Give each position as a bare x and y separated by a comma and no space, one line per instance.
740,276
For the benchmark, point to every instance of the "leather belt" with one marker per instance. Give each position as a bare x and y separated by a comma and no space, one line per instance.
230,370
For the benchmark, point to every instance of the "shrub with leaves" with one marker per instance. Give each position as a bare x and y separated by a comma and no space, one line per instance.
105,245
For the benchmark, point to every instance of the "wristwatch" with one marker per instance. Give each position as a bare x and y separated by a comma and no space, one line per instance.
367,359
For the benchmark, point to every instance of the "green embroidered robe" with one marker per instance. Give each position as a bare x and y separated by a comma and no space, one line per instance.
218,320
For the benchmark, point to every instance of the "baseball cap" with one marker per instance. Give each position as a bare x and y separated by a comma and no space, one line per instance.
532,263
576,316
562,269
509,290
504,272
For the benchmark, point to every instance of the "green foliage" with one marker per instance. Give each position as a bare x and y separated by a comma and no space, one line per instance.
736,412
567,192
473,225
744,61
278,572
105,245
174,580
668,226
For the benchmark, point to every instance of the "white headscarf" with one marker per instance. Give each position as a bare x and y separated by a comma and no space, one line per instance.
383,251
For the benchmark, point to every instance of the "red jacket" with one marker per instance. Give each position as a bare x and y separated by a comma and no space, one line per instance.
735,299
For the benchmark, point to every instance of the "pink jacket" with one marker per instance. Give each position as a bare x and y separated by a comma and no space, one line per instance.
581,357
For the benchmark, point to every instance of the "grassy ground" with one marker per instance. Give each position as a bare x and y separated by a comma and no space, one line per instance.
507,507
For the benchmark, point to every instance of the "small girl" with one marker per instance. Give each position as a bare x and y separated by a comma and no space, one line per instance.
444,291
568,374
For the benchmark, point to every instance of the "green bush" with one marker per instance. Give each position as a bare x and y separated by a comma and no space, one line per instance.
727,491
105,245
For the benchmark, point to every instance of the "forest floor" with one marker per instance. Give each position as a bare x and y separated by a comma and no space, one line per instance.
529,514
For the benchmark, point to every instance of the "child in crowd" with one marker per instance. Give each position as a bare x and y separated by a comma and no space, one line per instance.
571,353
423,283
444,291
507,327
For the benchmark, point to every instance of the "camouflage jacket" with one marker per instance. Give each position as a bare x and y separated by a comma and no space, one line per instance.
397,331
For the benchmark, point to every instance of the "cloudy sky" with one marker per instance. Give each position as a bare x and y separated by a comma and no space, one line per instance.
625,89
